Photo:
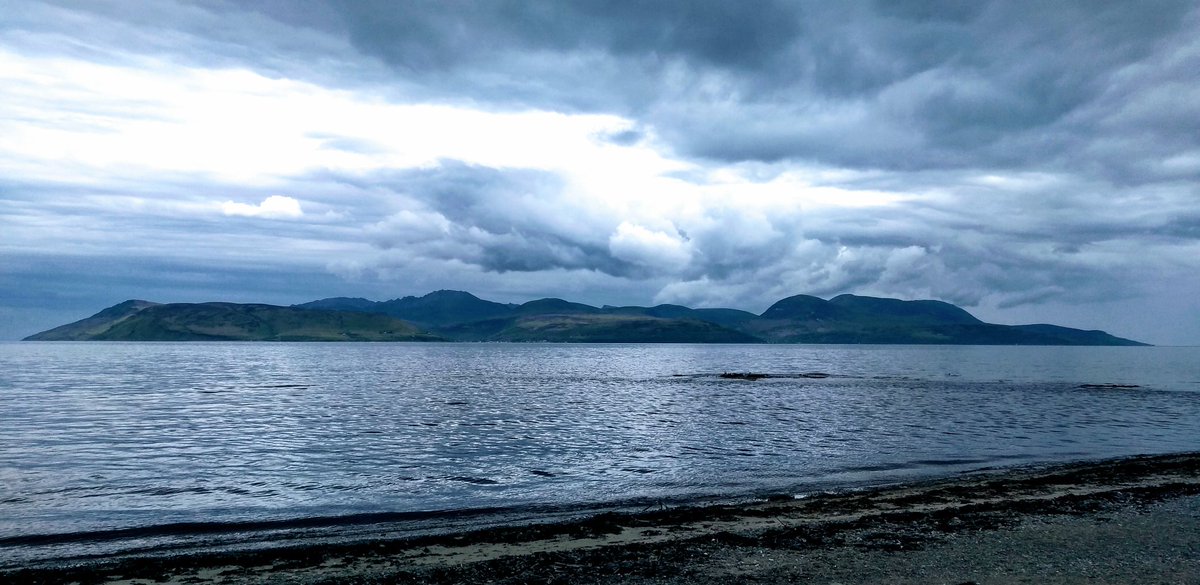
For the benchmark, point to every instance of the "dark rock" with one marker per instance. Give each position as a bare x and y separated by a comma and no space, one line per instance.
743,376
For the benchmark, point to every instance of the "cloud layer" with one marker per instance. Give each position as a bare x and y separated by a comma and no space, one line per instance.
275,207
1032,161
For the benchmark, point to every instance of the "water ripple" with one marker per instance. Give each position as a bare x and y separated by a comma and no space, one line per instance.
117,436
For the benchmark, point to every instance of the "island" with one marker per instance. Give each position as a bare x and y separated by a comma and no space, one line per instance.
448,315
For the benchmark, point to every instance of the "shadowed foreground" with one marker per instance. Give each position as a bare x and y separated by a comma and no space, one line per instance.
1119,521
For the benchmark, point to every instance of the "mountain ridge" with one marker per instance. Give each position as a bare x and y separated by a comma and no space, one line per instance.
461,316
216,321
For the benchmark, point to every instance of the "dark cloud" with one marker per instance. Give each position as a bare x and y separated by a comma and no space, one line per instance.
626,138
502,221
909,85
508,221
922,11
897,85
436,35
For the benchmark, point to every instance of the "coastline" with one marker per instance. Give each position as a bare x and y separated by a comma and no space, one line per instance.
1115,520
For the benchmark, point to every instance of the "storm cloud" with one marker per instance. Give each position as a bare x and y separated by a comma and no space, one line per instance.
1031,161
899,85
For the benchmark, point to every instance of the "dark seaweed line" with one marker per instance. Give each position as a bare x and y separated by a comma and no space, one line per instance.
201,528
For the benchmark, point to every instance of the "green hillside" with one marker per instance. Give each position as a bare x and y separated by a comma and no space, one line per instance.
796,319
858,319
142,321
461,316
593,328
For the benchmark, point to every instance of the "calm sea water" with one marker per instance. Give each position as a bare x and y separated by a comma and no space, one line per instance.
110,447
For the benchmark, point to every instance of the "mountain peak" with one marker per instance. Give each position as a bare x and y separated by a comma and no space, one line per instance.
445,294
923,310
802,307
553,305
131,305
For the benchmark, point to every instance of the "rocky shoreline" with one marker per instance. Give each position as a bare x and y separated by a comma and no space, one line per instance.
1116,521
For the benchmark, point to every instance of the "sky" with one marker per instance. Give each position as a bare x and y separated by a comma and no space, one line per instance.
1030,161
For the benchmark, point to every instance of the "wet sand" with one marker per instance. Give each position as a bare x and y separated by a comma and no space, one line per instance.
1118,521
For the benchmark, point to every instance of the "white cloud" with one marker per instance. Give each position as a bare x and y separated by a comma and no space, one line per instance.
273,207
240,126
653,249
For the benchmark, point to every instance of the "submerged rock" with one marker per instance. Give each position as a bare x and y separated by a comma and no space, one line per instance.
743,376
758,375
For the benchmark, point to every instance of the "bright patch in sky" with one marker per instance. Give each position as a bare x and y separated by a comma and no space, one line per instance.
651,248
274,207
240,127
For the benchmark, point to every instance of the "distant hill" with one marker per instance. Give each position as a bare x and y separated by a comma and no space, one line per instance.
436,309
461,316
858,319
596,328
98,324
145,321
723,317
796,319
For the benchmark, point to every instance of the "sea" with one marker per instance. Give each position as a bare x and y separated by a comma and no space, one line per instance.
110,449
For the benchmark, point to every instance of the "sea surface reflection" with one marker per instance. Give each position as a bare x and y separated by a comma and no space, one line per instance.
104,436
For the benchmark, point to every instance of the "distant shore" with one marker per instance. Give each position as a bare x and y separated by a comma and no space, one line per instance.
461,316
1118,521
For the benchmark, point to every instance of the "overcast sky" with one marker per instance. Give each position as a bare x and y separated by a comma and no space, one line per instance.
1030,161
